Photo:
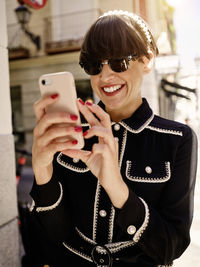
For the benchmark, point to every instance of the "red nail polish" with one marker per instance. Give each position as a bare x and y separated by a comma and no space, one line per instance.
54,96
85,133
78,129
74,142
89,103
73,117
81,101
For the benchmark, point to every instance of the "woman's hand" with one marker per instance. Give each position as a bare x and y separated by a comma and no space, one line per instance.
103,159
49,136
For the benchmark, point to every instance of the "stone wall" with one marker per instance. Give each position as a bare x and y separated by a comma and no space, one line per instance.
9,238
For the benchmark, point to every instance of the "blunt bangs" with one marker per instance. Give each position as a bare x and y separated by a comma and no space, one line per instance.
113,37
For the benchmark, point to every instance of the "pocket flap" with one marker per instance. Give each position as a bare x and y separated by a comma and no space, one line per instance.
148,172
75,165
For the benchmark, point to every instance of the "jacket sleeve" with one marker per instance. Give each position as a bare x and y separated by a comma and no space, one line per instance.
51,208
163,232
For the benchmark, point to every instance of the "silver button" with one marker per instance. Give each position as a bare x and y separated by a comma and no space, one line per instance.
75,160
131,230
116,127
148,170
102,213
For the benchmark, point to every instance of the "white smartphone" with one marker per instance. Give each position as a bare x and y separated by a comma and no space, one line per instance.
63,84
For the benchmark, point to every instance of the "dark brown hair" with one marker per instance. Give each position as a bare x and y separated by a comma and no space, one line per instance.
115,36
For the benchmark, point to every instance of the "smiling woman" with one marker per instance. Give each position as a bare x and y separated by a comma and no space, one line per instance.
126,198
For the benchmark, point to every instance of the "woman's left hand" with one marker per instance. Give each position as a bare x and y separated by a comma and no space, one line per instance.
103,159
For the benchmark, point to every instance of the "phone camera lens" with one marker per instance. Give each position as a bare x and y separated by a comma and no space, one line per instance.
43,82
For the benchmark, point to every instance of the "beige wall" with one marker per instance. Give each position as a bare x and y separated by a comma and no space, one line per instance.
106,5
5,114
9,245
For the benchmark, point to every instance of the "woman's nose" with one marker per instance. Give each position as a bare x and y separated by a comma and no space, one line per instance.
106,73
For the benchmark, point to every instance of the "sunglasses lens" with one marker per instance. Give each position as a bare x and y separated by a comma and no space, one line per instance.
91,68
119,65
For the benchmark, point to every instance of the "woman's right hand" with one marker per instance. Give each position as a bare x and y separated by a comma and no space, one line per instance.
47,133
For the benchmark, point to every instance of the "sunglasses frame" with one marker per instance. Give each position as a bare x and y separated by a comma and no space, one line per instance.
123,60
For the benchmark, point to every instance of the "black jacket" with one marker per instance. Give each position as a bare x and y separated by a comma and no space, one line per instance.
158,159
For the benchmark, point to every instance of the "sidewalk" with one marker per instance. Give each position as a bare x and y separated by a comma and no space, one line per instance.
191,257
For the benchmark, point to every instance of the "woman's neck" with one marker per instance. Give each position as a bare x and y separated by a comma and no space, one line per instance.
124,112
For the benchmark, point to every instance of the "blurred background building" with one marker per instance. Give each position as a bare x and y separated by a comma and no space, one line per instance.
47,38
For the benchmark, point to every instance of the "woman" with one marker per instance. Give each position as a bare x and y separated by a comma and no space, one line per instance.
126,199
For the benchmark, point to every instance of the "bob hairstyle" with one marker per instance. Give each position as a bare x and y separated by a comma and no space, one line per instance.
117,34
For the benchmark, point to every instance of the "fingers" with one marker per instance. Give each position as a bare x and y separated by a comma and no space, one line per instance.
101,114
89,116
57,147
54,134
53,118
42,103
101,132
88,110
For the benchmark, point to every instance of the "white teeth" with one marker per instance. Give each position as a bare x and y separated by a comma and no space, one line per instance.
111,88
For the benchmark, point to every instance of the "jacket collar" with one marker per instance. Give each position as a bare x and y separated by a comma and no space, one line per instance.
139,120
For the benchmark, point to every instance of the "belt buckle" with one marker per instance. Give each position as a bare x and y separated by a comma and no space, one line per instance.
101,256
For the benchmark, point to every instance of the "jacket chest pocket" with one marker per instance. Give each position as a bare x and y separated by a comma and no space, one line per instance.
75,165
148,172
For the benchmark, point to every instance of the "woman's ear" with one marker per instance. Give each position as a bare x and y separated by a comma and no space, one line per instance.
148,62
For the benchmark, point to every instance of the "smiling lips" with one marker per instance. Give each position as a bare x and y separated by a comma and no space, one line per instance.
111,90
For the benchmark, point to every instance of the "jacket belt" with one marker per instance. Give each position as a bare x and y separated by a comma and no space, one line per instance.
103,255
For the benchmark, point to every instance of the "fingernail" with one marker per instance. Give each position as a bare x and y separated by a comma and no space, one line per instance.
73,117
81,101
78,129
85,133
74,142
54,96
89,103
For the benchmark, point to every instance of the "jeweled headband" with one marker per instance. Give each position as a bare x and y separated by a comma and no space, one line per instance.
136,18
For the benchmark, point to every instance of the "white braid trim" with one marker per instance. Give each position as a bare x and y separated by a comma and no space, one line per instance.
160,130
145,125
75,251
39,209
140,231
32,206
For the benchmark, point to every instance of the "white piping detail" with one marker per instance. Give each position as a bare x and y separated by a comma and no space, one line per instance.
116,247
148,179
113,247
85,124
140,231
82,255
39,209
123,148
69,166
165,130
32,206
112,213
139,129
96,210
85,237
111,225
